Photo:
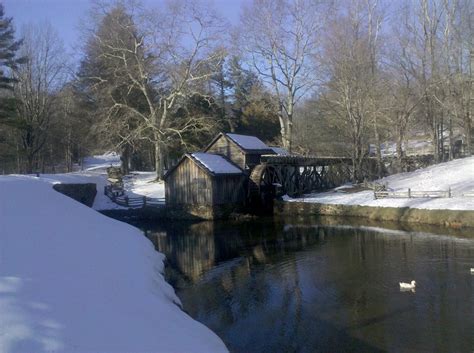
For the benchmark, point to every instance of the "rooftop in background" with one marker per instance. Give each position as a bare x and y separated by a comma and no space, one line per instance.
216,164
280,151
249,143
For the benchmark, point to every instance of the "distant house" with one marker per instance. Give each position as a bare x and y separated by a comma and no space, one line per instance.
243,150
206,185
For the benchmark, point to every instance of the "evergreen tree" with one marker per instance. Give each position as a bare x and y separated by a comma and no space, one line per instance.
106,82
253,106
8,49
8,62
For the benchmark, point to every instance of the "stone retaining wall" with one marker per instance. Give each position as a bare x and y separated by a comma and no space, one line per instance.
446,218
84,193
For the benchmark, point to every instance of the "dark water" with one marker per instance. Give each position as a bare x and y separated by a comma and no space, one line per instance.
287,286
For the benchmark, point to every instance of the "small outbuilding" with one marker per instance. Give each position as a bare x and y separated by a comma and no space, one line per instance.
243,150
206,185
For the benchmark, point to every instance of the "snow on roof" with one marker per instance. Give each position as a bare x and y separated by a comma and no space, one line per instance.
248,142
280,151
216,164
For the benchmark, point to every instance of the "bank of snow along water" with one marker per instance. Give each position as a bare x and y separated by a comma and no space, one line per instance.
73,280
456,176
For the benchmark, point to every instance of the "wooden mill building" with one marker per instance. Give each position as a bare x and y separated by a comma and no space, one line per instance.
235,170
213,183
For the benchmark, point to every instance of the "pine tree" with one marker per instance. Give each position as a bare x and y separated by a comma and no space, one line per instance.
8,49
105,78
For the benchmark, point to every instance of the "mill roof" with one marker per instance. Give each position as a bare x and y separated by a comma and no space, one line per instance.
213,164
216,164
248,144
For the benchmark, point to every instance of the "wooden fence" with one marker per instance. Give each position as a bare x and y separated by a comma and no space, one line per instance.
121,199
384,194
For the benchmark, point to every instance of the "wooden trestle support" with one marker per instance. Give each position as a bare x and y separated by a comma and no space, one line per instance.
295,176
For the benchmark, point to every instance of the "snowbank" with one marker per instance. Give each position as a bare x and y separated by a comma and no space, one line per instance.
457,175
72,280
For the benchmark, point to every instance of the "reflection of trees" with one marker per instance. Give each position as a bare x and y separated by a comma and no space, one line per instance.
319,288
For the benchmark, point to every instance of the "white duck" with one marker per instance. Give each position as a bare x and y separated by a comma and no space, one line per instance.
411,285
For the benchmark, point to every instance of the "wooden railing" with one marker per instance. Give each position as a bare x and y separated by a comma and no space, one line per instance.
118,196
384,194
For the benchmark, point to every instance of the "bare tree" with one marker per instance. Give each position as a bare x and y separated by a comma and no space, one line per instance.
43,73
353,92
163,56
279,39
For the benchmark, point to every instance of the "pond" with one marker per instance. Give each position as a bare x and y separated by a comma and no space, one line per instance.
322,286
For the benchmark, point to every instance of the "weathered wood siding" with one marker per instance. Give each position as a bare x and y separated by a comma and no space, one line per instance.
228,189
229,149
188,184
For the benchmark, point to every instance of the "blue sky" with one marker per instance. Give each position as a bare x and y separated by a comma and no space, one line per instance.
65,15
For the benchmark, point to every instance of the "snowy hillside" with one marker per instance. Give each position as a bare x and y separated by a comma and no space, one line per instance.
72,280
457,175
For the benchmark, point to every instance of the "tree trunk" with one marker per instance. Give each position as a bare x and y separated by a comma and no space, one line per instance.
283,129
289,133
18,160
69,152
125,159
467,133
158,159
435,137
400,138
378,153
400,153
451,138
29,163
356,157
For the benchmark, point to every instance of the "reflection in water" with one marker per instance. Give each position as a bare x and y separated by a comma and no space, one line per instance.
191,254
272,287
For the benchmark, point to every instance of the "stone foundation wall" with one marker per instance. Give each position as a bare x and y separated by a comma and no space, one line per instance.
446,218
83,193
202,211
145,213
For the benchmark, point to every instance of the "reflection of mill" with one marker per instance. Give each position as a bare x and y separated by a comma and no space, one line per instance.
286,286
191,250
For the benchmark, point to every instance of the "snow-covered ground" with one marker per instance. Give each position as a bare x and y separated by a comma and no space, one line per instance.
411,147
144,184
94,170
101,161
457,175
73,280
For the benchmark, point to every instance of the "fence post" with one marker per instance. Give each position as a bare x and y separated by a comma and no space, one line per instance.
126,201
144,201
375,195
409,193
449,192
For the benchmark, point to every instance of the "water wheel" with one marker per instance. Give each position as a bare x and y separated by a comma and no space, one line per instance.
266,183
